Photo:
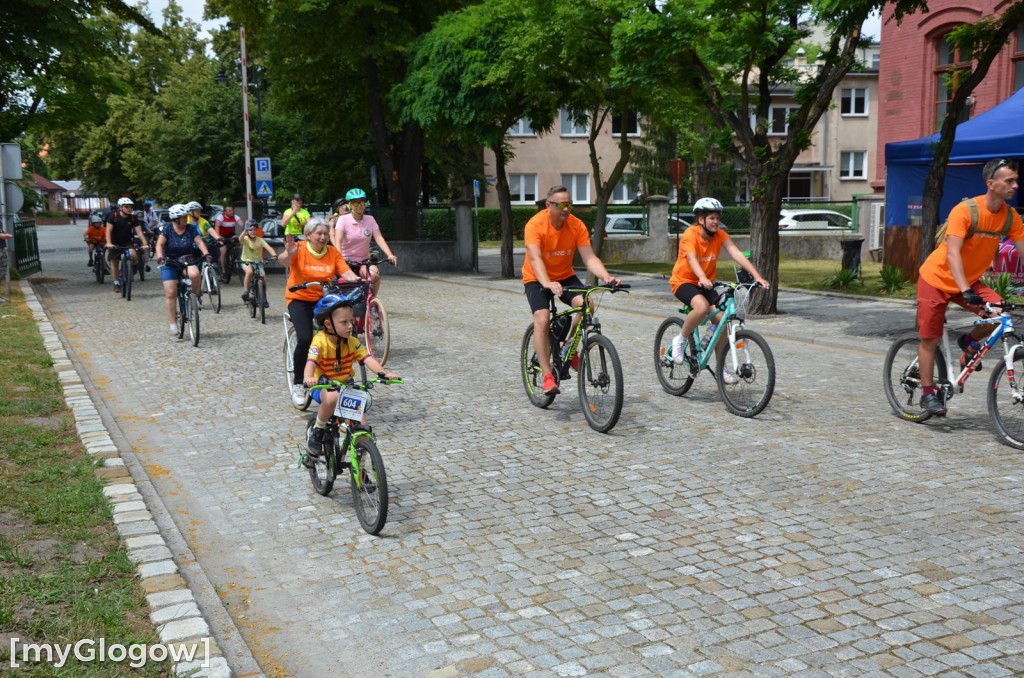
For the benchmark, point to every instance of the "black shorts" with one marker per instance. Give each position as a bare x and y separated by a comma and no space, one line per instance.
539,296
687,291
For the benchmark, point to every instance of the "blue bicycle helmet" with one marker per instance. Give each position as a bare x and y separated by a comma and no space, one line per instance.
356,194
327,304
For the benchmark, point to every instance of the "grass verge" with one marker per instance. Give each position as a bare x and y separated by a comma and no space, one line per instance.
64,575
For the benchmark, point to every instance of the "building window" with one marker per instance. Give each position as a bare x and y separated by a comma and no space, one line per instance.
571,127
949,66
623,194
876,61
522,128
778,119
523,188
854,101
579,187
632,125
1018,58
853,165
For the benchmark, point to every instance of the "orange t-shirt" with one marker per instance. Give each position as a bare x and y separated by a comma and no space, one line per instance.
304,267
707,256
557,248
96,234
977,251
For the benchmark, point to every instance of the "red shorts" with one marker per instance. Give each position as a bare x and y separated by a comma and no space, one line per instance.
932,302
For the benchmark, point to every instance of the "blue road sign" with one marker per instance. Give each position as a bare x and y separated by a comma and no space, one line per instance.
476,188
261,168
264,189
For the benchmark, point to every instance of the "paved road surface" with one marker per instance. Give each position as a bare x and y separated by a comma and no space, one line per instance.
823,538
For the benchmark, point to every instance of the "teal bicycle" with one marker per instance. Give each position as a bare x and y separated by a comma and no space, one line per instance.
746,371
349,444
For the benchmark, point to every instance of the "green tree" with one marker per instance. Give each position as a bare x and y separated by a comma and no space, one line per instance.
735,54
981,42
466,83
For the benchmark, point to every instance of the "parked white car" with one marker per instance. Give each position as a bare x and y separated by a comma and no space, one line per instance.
623,225
811,221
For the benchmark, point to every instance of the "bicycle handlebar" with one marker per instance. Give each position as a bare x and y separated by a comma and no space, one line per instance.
328,384
328,286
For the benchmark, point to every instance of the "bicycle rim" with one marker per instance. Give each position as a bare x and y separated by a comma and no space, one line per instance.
675,378
901,379
600,383
378,334
252,301
322,473
193,319
533,376
214,291
1005,407
261,299
369,485
755,374
182,316
129,274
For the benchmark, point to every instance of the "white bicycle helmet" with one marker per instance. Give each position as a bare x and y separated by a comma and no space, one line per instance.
124,201
193,206
707,205
177,211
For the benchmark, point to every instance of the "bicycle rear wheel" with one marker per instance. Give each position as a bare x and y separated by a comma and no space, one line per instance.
600,383
1005,406
755,375
675,378
533,376
261,300
378,334
322,473
193,318
901,379
369,486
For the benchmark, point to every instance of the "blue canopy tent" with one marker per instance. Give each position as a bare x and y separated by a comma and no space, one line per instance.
995,133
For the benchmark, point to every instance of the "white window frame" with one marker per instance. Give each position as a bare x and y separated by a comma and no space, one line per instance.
568,128
854,91
523,127
579,187
520,197
848,170
622,194
787,111
628,134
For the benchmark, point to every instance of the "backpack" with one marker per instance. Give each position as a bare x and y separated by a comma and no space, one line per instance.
972,207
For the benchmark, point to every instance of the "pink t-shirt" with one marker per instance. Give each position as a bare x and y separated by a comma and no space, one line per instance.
355,236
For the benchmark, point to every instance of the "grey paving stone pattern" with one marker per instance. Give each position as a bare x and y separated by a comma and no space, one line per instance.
823,538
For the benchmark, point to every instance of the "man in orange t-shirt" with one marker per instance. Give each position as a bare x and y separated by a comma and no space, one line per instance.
553,236
953,272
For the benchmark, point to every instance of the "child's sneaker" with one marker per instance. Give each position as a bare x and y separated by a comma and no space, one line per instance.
728,377
678,348
117,287
245,295
266,304
315,442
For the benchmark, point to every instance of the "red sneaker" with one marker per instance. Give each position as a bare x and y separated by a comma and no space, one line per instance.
550,387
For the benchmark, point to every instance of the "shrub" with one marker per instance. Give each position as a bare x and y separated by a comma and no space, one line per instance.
893,279
842,279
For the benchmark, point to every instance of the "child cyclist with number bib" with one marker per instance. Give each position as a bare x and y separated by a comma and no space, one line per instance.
694,273
331,354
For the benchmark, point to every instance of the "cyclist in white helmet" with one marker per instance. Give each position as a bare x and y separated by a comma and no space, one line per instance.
121,227
694,272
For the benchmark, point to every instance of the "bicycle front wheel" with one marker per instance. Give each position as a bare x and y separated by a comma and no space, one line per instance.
901,379
675,378
533,376
378,334
322,473
99,265
600,383
182,315
142,268
1006,404
753,377
193,318
369,486
126,278
261,300
214,289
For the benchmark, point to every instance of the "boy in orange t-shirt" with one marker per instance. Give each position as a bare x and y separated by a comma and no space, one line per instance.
553,236
952,272
95,234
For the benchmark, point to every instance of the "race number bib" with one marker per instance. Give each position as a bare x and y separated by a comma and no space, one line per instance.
351,404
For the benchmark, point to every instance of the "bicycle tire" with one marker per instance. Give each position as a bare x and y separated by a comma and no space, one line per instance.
215,296
533,376
323,471
600,383
756,375
142,267
98,265
125,276
675,379
261,300
193,318
370,491
229,263
1007,415
182,315
378,333
252,301
290,342
901,380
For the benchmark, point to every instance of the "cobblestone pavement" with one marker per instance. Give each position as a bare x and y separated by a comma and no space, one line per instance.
823,538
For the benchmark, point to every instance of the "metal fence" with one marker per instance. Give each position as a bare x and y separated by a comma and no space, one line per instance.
26,247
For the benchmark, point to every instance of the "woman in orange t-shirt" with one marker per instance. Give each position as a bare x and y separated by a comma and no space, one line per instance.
310,260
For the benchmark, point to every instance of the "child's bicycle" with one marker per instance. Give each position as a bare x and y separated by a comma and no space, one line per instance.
348,444
599,371
257,300
901,377
374,324
291,339
748,386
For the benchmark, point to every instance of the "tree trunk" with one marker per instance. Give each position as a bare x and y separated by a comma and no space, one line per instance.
505,206
764,240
